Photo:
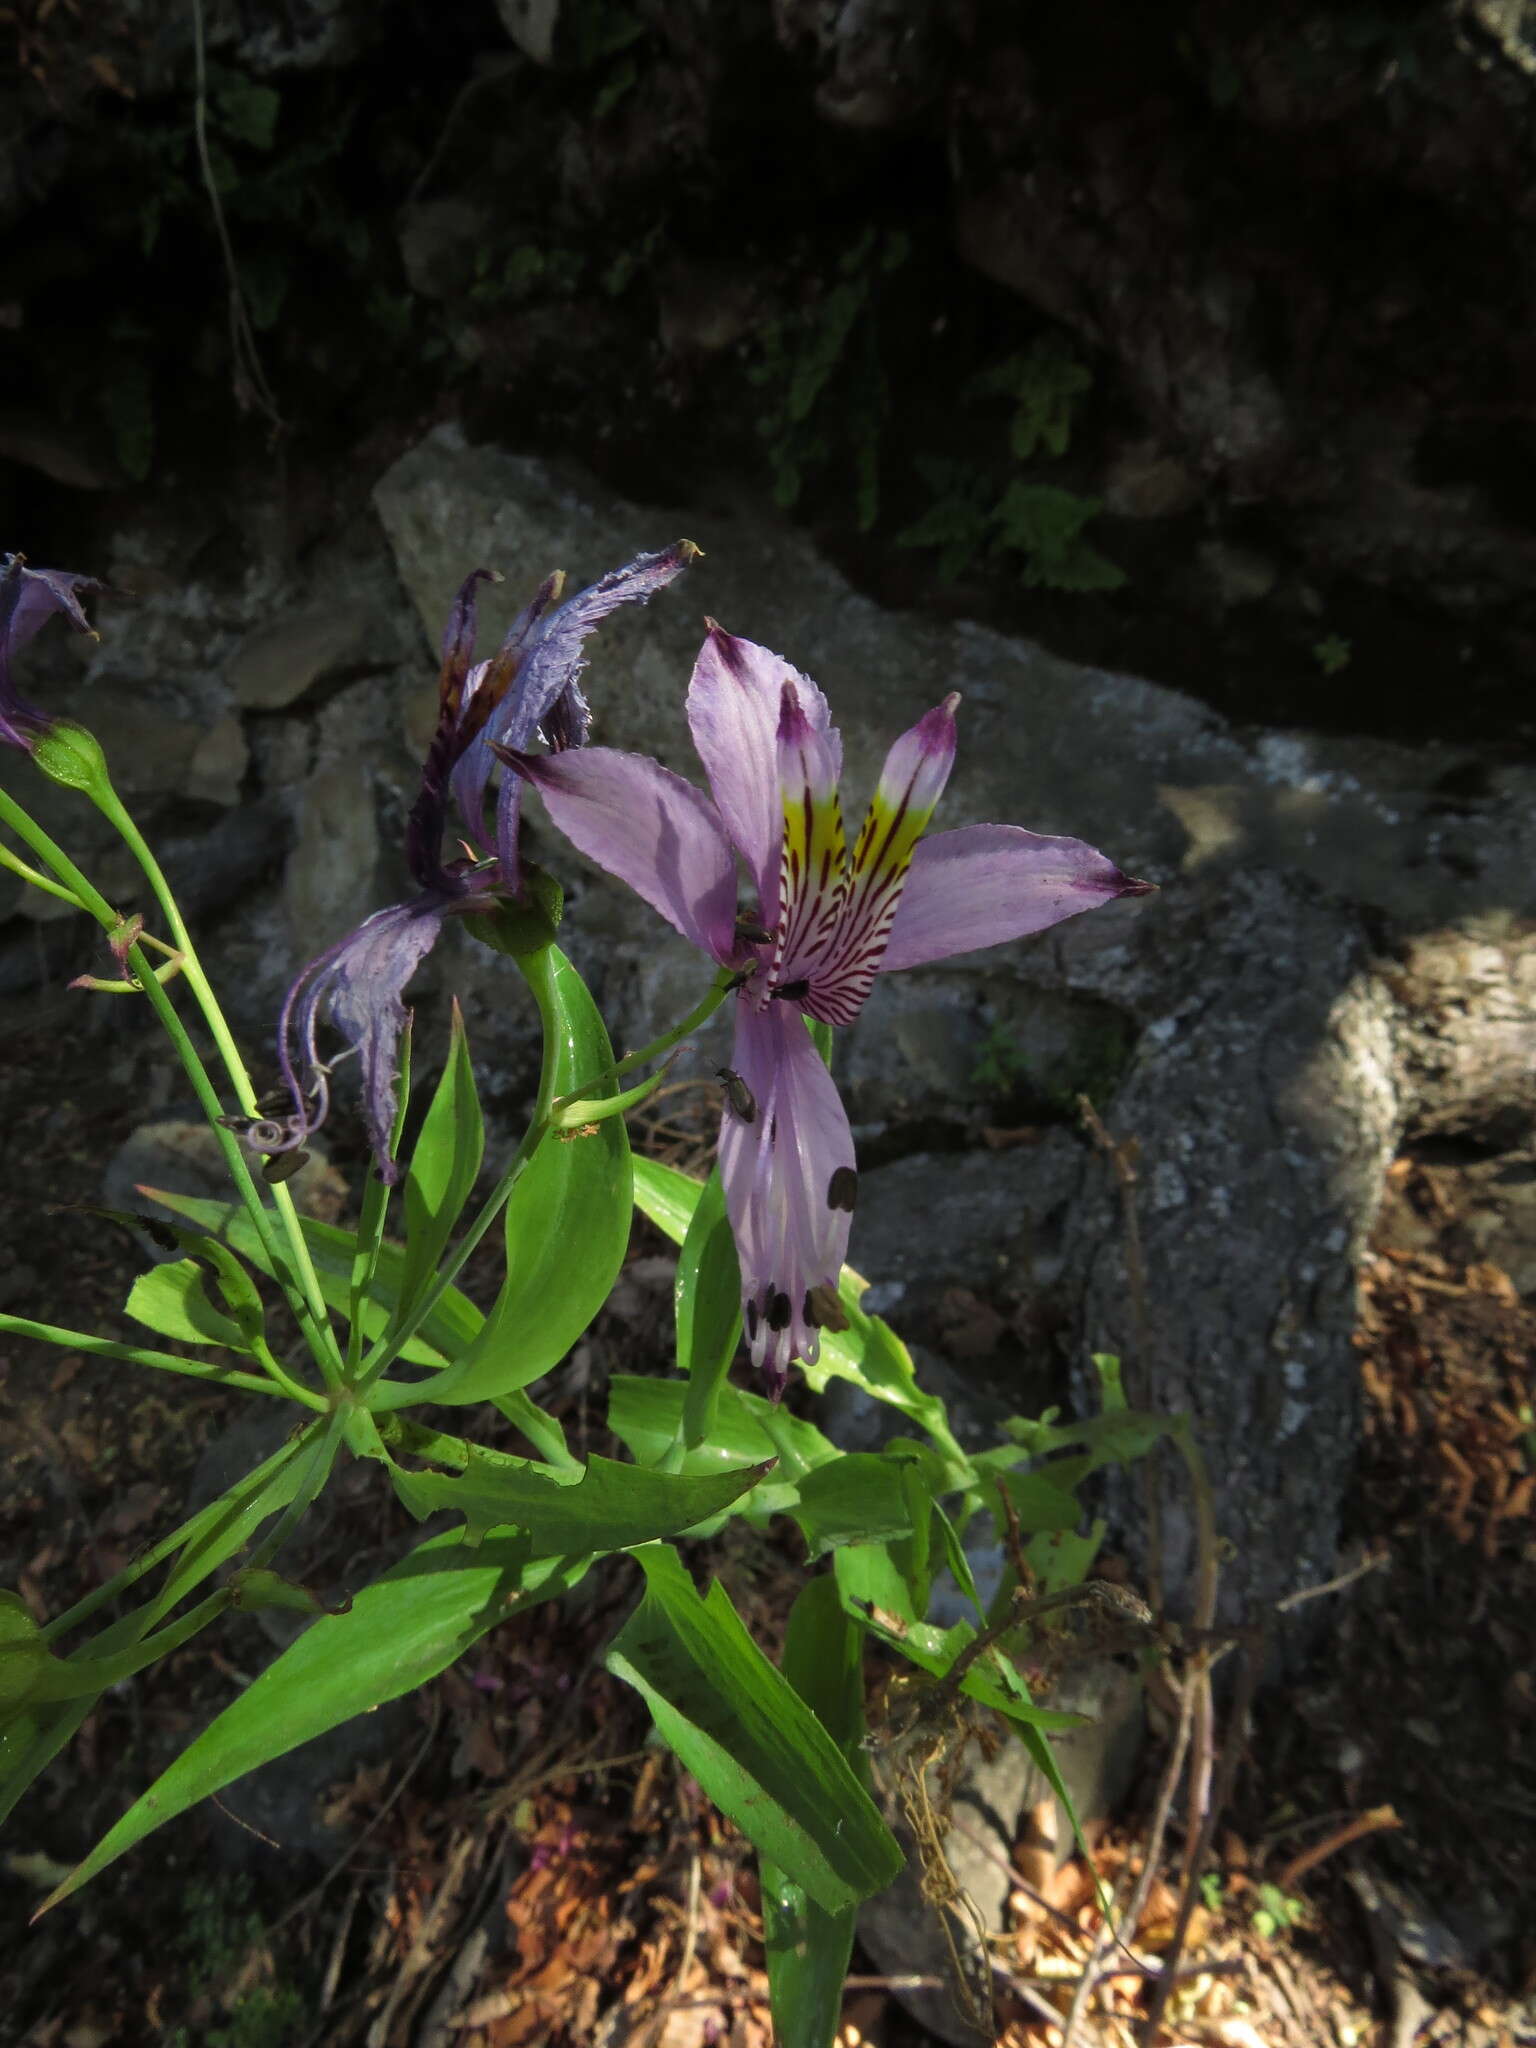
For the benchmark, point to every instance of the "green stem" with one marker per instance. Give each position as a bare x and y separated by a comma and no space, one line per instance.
143,1565
312,1320
309,1486
80,1675
261,1351
38,879
375,1212
113,810
546,1107
723,985
163,1361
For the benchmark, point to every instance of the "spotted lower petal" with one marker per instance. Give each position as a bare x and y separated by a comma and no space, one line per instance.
985,884
789,1186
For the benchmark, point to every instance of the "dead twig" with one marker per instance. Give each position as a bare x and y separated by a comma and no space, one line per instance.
1226,1775
1121,1159
1363,1824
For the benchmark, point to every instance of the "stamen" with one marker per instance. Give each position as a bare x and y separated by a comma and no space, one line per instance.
824,1308
791,992
843,1189
753,1319
777,1313
283,1166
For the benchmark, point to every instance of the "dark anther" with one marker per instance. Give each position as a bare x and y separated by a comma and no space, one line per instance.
738,1094
750,931
776,1315
824,1309
740,978
843,1189
752,1322
792,992
283,1166
773,1130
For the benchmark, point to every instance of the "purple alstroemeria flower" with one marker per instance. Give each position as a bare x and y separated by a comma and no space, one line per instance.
28,599
824,923
527,688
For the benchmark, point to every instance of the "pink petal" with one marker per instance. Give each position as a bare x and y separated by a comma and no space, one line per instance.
778,1172
733,709
650,828
985,884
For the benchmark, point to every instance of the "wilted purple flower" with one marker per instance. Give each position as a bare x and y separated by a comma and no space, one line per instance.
824,923
527,688
28,598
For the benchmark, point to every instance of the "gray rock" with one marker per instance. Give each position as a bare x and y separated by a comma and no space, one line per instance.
277,663
184,1158
1158,780
219,762
331,881
532,25
977,1220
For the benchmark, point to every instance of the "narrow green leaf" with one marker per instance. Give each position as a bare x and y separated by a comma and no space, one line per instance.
224,1527
449,1330
707,1300
443,1167
374,1212
170,1301
876,1595
807,1948
646,1415
402,1630
567,1219
861,1498
1038,1503
611,1507
750,1740
24,1656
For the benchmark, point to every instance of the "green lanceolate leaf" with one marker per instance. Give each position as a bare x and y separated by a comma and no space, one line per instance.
875,1593
862,1498
399,1632
754,1745
170,1300
24,1656
443,1167
646,1416
452,1326
33,1737
611,1507
567,1218
707,1303
807,1947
